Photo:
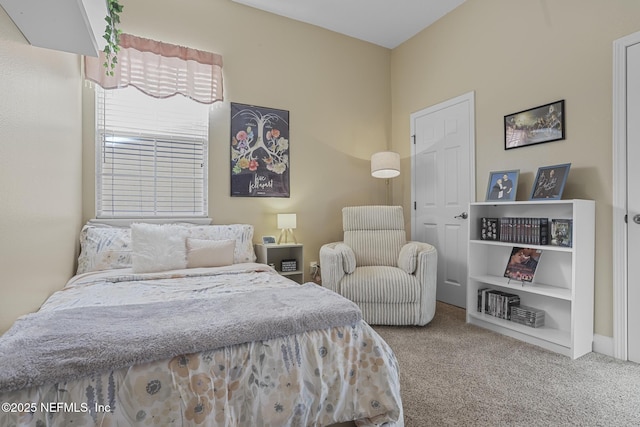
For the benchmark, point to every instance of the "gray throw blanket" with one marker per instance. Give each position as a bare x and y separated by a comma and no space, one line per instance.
63,345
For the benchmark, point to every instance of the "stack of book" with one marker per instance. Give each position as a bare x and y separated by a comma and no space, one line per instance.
528,316
497,303
289,265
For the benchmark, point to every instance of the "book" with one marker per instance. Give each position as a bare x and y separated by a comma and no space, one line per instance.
562,232
528,316
497,303
522,264
489,229
526,230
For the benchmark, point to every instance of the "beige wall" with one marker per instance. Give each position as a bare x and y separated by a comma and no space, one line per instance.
336,89
40,171
517,54
347,99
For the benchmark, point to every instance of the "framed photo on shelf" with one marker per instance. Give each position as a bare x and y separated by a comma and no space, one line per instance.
534,126
562,232
549,182
268,240
502,186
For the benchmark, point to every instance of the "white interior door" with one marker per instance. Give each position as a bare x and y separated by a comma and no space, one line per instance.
633,201
443,184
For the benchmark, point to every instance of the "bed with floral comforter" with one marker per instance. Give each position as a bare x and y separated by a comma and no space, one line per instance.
312,378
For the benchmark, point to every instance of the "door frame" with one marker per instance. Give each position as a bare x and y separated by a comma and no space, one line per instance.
620,252
469,97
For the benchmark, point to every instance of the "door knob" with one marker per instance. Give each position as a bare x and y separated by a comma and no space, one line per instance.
465,215
636,219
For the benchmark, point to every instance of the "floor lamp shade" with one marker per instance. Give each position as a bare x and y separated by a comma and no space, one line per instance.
385,164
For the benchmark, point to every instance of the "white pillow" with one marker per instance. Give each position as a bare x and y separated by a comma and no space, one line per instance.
104,248
209,253
158,247
241,233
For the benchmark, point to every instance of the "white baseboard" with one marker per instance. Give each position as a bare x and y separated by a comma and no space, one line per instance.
603,345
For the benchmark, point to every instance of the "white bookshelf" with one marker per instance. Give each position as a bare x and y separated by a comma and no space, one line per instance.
564,281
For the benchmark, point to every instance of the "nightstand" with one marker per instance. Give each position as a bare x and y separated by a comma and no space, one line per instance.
275,254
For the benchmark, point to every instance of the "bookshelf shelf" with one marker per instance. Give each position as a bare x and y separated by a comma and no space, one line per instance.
563,282
554,336
533,287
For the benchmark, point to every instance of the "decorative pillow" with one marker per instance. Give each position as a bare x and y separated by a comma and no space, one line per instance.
209,253
103,247
241,233
348,257
158,247
408,258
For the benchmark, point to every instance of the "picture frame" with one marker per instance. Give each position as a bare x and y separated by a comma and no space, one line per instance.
259,151
561,232
549,182
502,186
536,125
268,240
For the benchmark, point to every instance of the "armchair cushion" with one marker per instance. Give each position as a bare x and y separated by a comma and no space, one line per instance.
375,284
348,257
408,258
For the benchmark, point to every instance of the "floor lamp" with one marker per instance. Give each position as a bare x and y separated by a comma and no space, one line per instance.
385,165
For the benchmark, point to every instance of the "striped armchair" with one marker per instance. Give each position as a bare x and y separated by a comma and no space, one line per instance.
392,281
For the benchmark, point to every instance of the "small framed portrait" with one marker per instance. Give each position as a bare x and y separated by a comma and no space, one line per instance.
502,186
268,240
549,182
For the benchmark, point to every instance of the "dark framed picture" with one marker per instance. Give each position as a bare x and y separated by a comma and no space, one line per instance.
549,182
534,126
502,186
260,159
562,232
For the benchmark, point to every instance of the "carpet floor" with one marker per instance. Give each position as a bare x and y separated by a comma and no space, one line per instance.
456,374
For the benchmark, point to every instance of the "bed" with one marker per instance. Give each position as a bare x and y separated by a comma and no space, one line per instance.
137,338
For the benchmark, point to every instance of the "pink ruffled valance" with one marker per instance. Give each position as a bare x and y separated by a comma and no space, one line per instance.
160,70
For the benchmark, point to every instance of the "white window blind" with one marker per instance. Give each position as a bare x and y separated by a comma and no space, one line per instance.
151,155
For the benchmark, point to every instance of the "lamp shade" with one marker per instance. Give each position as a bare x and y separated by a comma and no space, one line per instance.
385,164
286,221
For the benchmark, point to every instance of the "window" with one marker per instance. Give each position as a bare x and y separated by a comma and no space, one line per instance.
151,155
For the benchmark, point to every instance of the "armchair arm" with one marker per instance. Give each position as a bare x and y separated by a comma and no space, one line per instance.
427,274
332,265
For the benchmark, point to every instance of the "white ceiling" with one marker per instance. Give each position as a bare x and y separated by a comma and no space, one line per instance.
386,23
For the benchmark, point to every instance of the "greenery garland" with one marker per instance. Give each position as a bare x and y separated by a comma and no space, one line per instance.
112,35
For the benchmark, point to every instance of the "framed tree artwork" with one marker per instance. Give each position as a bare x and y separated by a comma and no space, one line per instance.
260,160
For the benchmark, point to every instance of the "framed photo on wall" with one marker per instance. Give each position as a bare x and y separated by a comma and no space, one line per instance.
502,186
549,182
534,126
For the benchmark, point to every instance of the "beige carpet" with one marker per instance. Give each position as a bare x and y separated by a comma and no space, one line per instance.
454,374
